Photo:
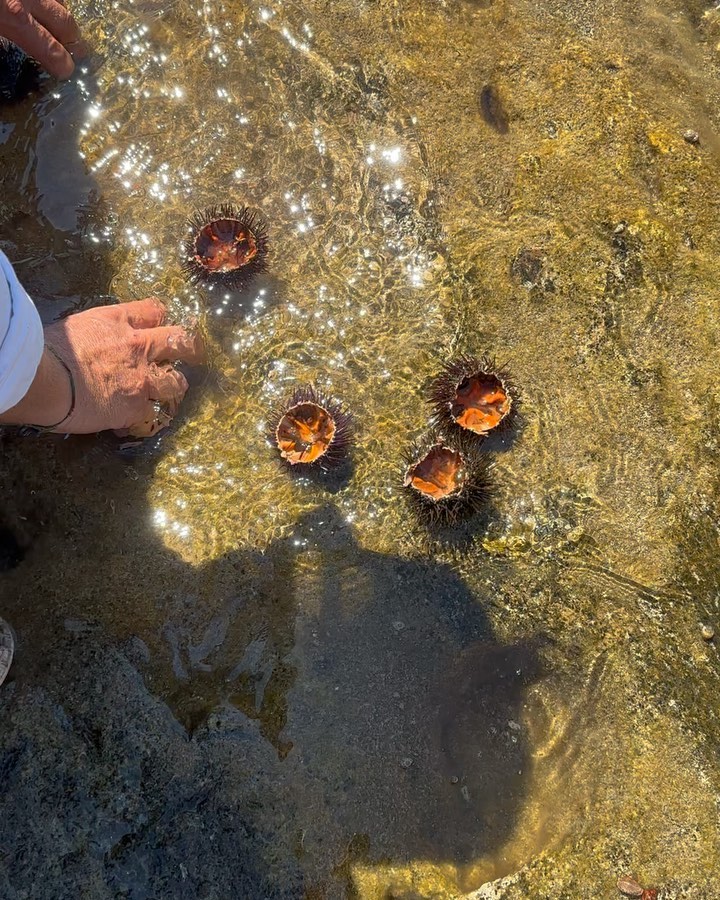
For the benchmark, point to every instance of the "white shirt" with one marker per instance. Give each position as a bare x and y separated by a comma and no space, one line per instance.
21,338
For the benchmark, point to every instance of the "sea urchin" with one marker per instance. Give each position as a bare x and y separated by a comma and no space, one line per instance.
311,429
472,394
227,246
445,484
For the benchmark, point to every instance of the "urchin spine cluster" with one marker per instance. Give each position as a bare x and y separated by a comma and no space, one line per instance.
343,436
245,218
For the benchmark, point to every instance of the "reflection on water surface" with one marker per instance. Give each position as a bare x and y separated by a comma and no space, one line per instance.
440,178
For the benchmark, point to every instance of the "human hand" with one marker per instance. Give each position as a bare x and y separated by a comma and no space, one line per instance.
119,357
45,30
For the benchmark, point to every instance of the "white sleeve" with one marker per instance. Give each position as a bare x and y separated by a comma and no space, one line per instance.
21,338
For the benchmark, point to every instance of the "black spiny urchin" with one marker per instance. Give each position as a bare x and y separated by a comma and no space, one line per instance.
446,482
311,429
226,245
473,395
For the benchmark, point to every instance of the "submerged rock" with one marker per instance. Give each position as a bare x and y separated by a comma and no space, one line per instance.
136,809
628,886
493,110
18,72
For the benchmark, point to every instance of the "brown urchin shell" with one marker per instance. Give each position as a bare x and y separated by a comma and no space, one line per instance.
311,429
445,483
227,246
474,395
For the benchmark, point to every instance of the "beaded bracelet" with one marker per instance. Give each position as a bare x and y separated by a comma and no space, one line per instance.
41,429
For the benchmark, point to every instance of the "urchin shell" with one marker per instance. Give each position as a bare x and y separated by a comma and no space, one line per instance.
340,437
460,377
240,236
471,495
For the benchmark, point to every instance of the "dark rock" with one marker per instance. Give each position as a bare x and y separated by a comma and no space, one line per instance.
492,109
103,794
526,267
19,75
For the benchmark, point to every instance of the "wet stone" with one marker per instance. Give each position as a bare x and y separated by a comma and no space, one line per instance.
493,110
527,268
18,73
692,137
629,887
707,632
138,785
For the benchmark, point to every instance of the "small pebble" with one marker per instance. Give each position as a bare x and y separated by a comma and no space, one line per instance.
406,763
628,886
454,779
692,137
708,632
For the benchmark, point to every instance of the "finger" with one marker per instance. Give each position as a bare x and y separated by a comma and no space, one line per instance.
58,21
167,386
172,343
37,42
148,313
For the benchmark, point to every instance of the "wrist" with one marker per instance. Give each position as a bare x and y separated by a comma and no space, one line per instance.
49,399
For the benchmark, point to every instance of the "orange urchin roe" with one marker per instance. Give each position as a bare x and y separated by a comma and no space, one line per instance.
225,245
305,433
481,403
439,474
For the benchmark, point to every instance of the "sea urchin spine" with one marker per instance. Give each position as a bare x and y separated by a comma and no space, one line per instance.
311,429
445,484
227,246
474,395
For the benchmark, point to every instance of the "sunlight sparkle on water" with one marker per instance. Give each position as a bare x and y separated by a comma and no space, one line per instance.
392,156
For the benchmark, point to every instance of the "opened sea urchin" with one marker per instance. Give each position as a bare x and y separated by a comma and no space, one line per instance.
311,429
474,395
227,246
445,484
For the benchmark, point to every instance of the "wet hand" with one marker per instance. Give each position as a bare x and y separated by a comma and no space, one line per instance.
120,360
45,30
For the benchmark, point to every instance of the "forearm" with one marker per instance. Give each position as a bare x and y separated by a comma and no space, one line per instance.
48,400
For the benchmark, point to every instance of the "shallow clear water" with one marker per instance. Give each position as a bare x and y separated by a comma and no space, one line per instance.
549,658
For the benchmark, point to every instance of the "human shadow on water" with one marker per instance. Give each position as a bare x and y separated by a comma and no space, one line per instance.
380,683
366,689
